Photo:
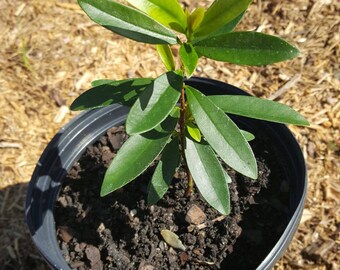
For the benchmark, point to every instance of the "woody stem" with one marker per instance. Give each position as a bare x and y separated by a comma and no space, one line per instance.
182,142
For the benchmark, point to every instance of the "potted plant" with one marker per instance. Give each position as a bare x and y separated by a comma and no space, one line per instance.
173,119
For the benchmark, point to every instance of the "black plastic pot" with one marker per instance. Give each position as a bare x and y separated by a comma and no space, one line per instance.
71,141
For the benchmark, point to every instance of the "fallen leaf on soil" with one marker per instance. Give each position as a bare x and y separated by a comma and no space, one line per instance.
172,239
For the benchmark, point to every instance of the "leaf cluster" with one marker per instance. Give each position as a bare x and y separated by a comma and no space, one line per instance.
158,106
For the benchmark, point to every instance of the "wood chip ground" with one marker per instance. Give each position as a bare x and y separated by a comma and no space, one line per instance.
50,52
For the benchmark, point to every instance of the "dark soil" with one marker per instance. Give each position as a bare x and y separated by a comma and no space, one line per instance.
120,231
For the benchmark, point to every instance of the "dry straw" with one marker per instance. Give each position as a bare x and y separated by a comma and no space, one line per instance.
50,52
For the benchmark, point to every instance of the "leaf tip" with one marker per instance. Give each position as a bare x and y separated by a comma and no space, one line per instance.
225,212
253,174
151,200
303,122
103,191
75,106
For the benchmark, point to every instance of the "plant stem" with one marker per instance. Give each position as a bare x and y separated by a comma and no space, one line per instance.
182,142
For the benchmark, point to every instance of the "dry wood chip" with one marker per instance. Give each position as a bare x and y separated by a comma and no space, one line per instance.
306,215
288,85
10,145
62,112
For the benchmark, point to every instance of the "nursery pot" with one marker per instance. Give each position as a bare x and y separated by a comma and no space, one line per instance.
72,140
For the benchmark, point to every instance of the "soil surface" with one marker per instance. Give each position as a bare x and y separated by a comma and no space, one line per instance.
120,231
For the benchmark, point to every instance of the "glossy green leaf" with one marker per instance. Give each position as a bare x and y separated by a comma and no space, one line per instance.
155,103
167,12
168,125
195,19
230,26
227,28
101,82
167,58
219,14
189,58
247,135
136,155
164,172
127,22
124,92
222,134
208,175
246,48
193,131
258,108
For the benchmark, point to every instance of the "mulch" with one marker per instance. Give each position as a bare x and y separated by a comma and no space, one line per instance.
50,52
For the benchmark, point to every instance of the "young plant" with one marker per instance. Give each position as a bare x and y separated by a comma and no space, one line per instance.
173,120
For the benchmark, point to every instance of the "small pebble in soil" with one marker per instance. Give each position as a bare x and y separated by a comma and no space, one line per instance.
195,215
147,267
133,212
65,233
92,254
101,227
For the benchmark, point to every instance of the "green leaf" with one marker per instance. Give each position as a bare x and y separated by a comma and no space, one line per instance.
136,155
220,13
230,26
167,12
127,22
124,92
189,58
227,28
193,131
195,18
258,108
222,134
101,82
208,175
167,58
164,172
167,126
246,48
247,135
155,103
227,177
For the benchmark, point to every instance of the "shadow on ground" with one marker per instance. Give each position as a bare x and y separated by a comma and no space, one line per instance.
17,251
